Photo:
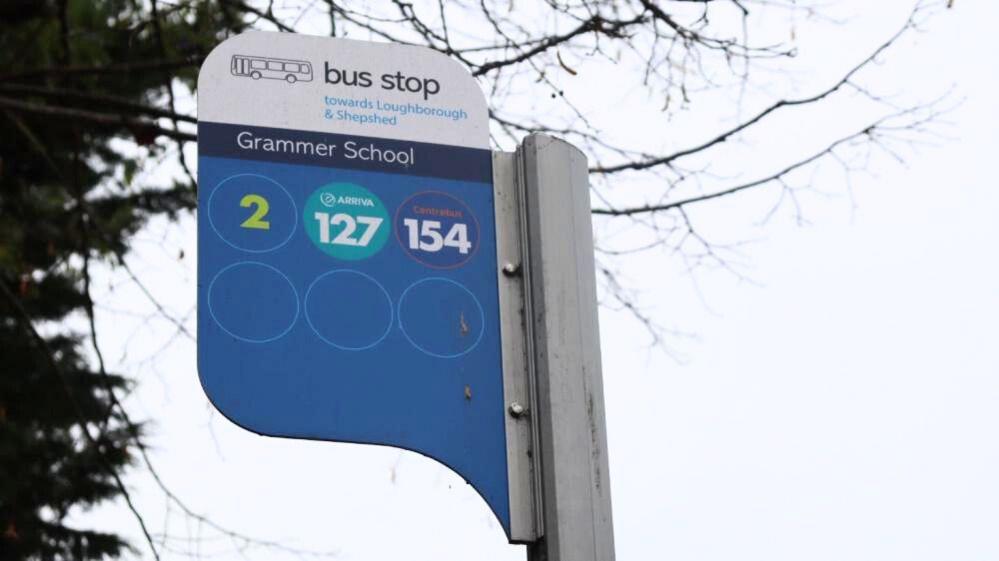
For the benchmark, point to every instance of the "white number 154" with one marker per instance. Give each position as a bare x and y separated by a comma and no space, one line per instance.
426,236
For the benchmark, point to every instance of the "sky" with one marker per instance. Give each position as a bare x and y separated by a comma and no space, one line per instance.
838,400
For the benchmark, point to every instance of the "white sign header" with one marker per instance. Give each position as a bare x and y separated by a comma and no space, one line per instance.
319,84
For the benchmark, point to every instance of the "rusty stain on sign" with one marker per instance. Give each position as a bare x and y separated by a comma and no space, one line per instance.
463,325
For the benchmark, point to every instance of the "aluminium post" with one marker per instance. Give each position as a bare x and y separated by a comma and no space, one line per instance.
561,304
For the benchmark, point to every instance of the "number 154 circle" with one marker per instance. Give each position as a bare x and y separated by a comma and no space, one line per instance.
437,229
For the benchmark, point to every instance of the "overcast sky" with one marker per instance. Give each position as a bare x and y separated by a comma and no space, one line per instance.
840,404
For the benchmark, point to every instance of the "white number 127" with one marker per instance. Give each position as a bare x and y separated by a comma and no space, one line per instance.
370,223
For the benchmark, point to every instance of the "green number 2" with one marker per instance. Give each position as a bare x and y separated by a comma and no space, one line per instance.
256,220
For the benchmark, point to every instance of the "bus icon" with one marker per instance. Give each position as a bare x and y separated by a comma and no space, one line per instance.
258,67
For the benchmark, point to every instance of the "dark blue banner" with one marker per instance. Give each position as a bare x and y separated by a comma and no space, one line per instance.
344,151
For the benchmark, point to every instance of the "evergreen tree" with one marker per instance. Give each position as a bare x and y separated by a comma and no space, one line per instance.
67,199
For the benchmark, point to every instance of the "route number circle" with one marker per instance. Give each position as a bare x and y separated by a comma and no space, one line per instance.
328,304
252,213
437,229
346,221
441,317
253,302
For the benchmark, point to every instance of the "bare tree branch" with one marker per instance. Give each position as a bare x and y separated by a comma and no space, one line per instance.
102,100
58,71
780,104
136,126
870,132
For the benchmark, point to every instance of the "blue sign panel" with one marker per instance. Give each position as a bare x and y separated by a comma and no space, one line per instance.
347,270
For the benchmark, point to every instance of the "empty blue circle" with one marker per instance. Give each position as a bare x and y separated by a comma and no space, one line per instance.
253,302
441,317
252,213
348,310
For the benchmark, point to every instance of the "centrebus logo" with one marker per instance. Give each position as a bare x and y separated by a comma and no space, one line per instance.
258,67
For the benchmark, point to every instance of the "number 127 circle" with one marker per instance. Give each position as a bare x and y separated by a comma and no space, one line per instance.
437,229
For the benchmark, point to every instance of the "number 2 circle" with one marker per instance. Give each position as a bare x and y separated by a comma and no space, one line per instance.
252,213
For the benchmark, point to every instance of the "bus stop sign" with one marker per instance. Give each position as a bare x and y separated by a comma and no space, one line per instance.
347,270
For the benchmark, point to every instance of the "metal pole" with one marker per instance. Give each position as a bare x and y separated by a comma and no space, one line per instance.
561,305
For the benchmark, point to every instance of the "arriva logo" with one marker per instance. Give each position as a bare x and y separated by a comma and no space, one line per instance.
327,199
